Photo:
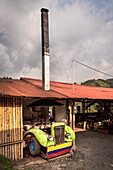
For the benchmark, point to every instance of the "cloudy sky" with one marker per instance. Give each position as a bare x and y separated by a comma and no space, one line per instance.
79,29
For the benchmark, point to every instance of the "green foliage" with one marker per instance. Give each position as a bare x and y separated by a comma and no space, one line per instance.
99,83
5,163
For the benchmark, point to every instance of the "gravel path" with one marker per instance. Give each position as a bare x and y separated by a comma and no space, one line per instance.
94,152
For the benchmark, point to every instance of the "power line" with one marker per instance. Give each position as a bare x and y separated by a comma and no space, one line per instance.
20,50
92,68
59,54
69,72
4,69
57,50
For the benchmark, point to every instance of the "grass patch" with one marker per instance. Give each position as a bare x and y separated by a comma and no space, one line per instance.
5,163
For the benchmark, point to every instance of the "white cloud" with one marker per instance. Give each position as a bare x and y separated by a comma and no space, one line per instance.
78,29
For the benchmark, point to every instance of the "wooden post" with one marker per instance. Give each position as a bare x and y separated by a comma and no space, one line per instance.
5,124
19,123
12,131
10,127
72,120
12,137
21,126
17,128
67,112
14,118
70,113
1,128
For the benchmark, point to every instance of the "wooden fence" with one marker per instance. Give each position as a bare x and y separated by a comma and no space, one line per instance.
11,127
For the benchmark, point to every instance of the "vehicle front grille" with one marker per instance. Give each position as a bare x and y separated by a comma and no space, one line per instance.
59,134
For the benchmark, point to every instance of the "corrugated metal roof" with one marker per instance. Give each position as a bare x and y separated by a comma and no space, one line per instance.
25,89
80,91
28,87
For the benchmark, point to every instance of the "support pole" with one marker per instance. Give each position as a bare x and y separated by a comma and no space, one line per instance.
73,124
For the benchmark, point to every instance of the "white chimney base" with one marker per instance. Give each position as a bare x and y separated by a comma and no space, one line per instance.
46,72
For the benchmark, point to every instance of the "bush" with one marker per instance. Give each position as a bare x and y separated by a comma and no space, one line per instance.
5,163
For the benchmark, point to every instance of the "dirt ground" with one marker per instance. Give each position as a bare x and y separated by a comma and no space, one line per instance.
94,152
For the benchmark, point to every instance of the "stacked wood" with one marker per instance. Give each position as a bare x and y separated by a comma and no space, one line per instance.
11,127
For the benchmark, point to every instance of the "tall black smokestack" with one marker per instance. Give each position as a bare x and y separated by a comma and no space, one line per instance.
45,50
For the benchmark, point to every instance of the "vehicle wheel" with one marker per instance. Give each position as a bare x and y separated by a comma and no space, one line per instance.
34,147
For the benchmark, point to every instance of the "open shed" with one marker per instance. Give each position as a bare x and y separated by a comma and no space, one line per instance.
15,95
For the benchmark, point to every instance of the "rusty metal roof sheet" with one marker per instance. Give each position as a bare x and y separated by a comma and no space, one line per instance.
27,87
80,91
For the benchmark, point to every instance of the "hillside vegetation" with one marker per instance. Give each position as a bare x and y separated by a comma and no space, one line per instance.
99,83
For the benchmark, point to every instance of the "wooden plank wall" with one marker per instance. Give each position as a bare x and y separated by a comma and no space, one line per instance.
11,127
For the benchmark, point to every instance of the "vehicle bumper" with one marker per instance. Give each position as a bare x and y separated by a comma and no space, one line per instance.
53,151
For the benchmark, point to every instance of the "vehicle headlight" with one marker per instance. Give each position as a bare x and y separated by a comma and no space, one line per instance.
68,135
50,138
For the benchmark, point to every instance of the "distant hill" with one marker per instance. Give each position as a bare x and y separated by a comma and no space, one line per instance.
99,83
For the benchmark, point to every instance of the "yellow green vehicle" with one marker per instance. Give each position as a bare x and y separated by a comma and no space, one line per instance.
49,140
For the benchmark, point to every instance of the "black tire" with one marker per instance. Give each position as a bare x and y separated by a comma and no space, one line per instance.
34,147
